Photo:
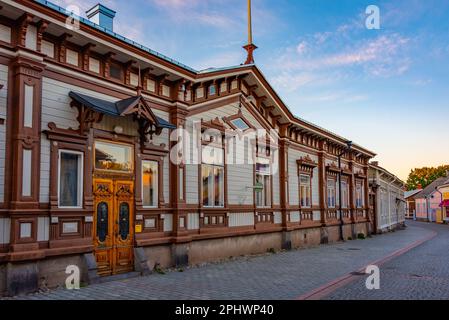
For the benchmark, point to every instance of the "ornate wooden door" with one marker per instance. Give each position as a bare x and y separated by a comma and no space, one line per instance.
113,226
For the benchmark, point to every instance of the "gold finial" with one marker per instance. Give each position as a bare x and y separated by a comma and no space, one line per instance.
250,47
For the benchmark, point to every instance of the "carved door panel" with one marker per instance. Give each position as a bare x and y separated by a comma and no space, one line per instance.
104,226
113,225
124,231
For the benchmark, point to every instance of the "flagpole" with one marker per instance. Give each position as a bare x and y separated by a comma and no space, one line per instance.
250,27
250,47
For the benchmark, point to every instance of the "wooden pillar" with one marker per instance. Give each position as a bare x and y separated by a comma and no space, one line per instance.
351,190
177,166
366,190
322,181
283,173
22,181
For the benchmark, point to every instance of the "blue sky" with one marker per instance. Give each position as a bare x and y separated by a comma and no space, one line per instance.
386,89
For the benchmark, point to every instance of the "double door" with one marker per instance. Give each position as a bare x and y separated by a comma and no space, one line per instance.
114,226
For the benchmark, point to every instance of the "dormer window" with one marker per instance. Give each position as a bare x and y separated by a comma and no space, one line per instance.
239,123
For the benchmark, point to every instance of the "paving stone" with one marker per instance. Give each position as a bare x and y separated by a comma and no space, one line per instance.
286,275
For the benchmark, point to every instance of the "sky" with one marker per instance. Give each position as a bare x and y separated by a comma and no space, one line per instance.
386,89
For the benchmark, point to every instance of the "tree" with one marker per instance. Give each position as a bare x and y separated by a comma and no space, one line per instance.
425,176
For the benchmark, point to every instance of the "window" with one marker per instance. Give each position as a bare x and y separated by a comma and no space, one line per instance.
359,195
344,194
115,71
212,173
304,191
331,193
263,182
70,189
150,183
113,157
239,123
212,90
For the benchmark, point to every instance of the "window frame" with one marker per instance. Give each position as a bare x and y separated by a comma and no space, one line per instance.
80,186
357,185
308,188
157,163
270,183
112,143
334,185
203,165
345,197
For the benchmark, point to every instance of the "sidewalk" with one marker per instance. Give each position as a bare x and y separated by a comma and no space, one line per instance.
286,275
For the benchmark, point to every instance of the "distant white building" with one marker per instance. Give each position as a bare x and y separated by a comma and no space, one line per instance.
387,199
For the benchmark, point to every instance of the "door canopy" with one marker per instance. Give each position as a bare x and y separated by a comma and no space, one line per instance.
91,110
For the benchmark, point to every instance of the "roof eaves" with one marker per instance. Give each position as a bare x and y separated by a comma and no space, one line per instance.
85,21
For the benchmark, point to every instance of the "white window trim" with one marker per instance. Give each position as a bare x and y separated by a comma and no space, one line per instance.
270,191
308,187
334,185
213,189
157,185
80,178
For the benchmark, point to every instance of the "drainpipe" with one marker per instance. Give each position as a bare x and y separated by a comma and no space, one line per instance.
441,194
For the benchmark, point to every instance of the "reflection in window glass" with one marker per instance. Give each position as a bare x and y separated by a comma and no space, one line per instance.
263,181
70,184
331,193
213,186
150,179
305,193
239,123
113,157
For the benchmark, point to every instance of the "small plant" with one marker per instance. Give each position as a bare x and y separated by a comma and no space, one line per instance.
180,270
349,238
158,269
271,250
361,236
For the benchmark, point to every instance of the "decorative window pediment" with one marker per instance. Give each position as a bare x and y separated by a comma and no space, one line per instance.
360,174
346,171
306,165
332,169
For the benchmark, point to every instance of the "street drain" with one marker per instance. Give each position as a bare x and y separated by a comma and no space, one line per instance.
354,249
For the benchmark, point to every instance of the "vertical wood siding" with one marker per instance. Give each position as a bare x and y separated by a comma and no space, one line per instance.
3,115
5,227
241,219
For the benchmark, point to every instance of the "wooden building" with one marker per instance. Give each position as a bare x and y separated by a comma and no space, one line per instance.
387,200
88,175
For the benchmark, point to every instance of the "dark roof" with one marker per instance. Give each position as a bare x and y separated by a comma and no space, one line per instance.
431,187
411,193
114,109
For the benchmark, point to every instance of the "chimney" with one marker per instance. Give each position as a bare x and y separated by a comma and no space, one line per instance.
419,187
375,163
102,16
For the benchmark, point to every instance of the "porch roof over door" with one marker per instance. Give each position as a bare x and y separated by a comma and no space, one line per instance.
121,108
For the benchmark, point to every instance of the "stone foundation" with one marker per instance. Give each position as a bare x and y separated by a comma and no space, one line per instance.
50,273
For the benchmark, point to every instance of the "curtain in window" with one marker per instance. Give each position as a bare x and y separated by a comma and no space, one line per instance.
68,195
150,179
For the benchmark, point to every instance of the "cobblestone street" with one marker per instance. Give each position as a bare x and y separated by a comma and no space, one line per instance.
291,275
422,273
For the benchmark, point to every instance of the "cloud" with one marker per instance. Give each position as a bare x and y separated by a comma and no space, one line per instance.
194,11
302,47
383,56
